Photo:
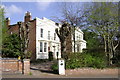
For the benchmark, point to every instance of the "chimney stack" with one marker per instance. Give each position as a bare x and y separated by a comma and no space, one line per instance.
7,21
27,17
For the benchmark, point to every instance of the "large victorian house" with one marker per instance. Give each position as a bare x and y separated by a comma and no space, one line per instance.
43,38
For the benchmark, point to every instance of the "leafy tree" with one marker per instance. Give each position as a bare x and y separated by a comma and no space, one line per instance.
11,46
103,17
92,39
3,28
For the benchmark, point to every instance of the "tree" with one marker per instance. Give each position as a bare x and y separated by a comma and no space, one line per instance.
103,18
92,39
73,13
62,33
3,28
24,37
11,46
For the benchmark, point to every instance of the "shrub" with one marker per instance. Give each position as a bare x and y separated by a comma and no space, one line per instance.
73,61
54,67
95,61
77,60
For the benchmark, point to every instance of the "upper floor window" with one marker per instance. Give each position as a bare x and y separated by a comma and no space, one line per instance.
41,32
54,36
41,47
48,35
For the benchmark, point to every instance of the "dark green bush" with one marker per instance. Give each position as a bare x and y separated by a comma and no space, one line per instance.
94,62
73,61
54,67
77,60
50,56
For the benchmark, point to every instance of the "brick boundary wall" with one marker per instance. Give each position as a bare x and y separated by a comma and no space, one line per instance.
13,65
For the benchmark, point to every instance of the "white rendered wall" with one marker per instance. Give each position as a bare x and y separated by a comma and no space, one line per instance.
78,40
46,25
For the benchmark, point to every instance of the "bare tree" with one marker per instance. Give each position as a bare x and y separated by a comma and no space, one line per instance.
63,32
74,14
24,36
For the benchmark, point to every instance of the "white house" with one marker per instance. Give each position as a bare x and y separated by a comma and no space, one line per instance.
80,43
43,38
46,39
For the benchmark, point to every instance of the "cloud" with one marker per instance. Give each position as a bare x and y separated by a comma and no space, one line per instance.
12,10
43,5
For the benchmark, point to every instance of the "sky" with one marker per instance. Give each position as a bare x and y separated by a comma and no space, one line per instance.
40,8
17,10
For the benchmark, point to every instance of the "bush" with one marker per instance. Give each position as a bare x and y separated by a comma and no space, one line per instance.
77,60
54,67
93,61
50,56
73,61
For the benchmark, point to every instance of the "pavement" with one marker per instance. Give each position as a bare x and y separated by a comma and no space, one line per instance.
76,73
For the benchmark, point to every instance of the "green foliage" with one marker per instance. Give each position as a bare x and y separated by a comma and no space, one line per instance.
77,60
54,67
73,61
30,73
91,39
11,46
50,56
3,28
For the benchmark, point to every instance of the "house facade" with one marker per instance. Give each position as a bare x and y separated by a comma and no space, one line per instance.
80,43
43,38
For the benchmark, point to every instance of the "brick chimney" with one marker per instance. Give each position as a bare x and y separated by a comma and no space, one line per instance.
27,16
7,21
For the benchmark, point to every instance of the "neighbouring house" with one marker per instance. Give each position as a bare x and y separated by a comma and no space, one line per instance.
43,38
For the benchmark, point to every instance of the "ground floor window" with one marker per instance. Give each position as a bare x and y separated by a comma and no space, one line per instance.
45,47
41,47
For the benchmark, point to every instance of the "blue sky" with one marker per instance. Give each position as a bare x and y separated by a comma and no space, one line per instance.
16,10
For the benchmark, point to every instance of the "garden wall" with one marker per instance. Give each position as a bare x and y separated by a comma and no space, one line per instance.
13,65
